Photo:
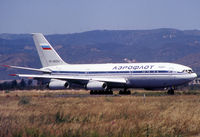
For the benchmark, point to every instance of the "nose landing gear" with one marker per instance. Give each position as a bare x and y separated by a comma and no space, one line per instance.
170,91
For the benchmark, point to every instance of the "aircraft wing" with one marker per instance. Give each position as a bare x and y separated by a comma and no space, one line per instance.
110,80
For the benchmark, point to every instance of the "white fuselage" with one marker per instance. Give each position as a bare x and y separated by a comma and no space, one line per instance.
57,74
137,75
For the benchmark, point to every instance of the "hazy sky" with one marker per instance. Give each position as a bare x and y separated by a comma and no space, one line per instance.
69,16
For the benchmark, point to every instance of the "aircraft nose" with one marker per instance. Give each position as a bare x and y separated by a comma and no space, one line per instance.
194,75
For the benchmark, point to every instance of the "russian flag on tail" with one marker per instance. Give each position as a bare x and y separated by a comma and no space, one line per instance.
46,47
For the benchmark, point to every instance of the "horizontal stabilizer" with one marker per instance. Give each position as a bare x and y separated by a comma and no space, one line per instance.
26,68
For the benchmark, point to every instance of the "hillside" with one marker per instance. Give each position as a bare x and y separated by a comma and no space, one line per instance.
103,46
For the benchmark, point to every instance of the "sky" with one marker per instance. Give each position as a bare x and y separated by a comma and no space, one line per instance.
73,16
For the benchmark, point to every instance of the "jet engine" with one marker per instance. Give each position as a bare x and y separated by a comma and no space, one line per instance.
58,84
96,85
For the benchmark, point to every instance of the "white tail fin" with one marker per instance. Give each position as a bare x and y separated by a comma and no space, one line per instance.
48,56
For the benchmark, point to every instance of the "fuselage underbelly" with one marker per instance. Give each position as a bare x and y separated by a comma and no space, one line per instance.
143,80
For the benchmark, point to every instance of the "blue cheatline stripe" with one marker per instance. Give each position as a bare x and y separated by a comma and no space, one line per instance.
45,46
112,72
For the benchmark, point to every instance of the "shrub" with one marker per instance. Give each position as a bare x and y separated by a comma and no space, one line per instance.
24,100
7,91
59,117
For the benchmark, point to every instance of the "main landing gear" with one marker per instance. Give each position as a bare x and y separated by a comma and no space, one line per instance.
101,92
109,92
125,92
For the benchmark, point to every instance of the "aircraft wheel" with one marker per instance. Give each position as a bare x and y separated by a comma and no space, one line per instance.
120,92
170,92
128,92
94,92
91,92
110,92
125,92
101,92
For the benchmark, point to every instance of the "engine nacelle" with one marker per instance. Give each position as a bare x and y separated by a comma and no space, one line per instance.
96,85
58,84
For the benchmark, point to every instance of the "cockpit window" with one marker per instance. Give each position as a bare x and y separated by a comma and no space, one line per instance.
188,71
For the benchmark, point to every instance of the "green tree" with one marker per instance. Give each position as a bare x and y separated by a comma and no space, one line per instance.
22,84
14,84
30,82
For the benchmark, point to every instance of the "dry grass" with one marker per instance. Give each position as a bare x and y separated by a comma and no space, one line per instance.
110,116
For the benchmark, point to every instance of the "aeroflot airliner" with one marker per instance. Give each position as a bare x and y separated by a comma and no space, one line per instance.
102,78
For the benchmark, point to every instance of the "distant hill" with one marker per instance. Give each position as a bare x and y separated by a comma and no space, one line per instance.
103,46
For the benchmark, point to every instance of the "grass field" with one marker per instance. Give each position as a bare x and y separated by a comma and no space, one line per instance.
43,113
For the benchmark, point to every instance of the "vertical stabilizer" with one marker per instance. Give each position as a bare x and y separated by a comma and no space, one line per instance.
48,56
